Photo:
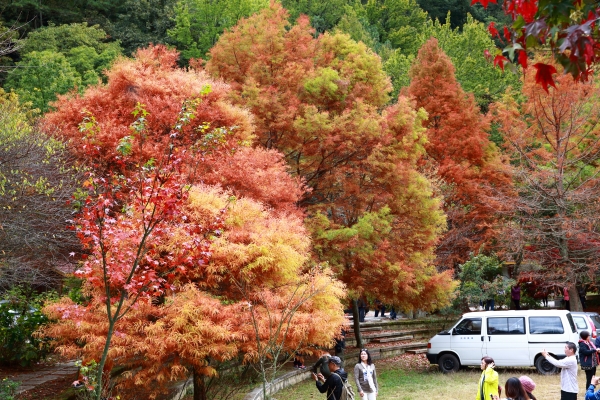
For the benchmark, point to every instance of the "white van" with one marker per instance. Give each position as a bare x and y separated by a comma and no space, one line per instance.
511,338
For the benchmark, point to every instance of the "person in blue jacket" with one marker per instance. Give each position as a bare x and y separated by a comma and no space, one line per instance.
590,394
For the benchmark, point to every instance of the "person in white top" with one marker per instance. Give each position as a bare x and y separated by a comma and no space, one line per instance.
568,375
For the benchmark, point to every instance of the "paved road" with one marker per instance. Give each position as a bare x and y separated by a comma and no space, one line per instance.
32,379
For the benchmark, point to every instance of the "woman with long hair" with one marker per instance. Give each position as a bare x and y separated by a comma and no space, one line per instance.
588,356
365,376
488,383
515,390
528,385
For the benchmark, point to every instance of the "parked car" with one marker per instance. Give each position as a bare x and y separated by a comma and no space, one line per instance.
595,319
511,338
584,322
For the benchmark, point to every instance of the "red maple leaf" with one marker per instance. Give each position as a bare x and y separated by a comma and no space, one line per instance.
526,8
492,29
588,50
499,61
506,34
523,59
543,76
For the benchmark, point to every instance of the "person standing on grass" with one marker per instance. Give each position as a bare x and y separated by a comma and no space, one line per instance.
588,356
568,374
365,376
334,383
488,383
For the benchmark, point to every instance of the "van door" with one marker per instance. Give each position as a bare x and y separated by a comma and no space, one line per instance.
467,341
506,341
548,332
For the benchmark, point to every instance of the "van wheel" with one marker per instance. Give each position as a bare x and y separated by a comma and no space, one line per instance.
544,367
448,363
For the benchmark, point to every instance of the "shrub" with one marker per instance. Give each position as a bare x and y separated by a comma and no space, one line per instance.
8,389
20,317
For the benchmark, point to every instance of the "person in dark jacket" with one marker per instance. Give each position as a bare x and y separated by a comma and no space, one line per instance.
322,366
588,356
334,383
515,296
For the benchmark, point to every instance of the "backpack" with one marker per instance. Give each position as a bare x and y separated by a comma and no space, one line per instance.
347,391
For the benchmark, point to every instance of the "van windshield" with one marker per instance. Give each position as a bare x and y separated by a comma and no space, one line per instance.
468,326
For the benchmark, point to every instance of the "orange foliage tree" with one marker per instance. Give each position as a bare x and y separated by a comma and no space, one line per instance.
186,228
470,166
319,101
553,139
154,80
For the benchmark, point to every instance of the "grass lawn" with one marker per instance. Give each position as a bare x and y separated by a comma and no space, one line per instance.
409,378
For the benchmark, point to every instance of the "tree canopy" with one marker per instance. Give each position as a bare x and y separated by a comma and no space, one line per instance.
567,28
461,154
553,140
318,101
37,182
199,23
57,59
183,213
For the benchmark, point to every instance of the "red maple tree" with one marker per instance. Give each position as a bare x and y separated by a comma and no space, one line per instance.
554,141
568,28
183,217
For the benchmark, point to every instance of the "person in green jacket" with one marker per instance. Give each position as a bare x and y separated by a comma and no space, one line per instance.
488,383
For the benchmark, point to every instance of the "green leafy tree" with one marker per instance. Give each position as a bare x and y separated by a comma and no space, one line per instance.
56,59
480,280
133,23
137,24
20,316
40,76
199,23
397,66
439,9
466,48
87,48
38,13
398,22
323,14
355,24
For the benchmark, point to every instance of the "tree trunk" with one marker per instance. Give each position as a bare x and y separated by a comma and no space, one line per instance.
574,299
355,317
199,387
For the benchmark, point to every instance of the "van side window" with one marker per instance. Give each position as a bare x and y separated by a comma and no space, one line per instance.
506,326
545,325
468,326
